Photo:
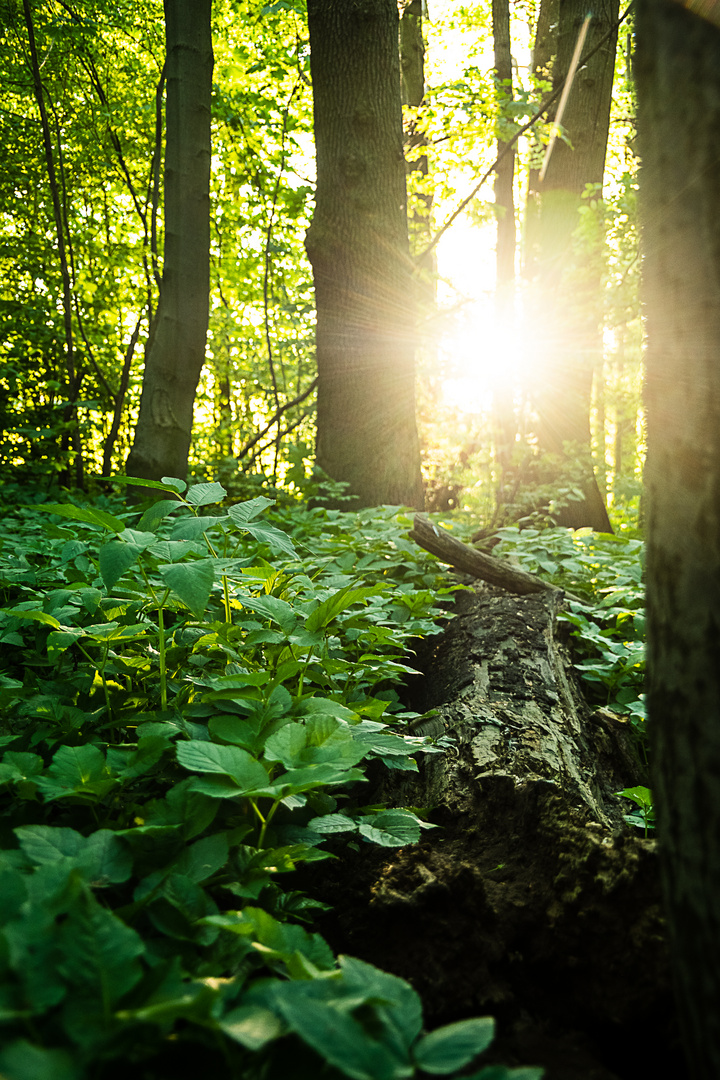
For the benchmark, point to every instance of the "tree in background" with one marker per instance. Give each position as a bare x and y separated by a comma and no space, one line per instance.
176,351
566,314
678,79
358,247
503,407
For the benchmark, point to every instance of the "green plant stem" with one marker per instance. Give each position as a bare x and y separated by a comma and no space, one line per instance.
161,651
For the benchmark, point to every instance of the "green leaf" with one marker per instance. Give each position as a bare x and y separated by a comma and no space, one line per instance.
89,514
243,512
205,494
338,1037
203,858
36,616
168,483
340,601
253,1026
451,1047
76,770
247,773
21,1060
192,582
116,557
332,823
391,828
102,855
274,609
100,951
191,528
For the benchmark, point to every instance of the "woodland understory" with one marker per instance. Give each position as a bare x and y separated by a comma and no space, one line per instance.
353,446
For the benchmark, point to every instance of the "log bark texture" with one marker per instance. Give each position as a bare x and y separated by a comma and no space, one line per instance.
533,901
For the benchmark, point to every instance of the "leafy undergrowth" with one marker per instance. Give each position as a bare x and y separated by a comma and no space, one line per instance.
188,701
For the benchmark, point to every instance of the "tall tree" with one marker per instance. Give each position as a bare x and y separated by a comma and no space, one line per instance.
503,404
176,348
358,248
567,324
678,82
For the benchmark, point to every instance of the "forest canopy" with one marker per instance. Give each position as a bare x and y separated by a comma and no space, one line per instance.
523,313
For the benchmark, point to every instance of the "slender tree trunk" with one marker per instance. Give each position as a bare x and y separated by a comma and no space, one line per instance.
503,397
69,415
678,79
566,316
176,351
358,247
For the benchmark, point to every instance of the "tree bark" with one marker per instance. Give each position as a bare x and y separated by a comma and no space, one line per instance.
532,901
505,421
358,247
678,80
566,316
176,350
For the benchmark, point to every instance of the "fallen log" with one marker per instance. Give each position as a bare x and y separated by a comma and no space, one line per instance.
477,564
533,900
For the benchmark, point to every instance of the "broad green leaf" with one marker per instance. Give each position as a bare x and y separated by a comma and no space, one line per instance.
175,550
403,1007
252,1026
100,953
243,512
156,513
340,601
232,761
80,770
323,775
191,528
102,855
272,608
391,828
89,514
204,494
282,938
339,1038
21,765
332,823
452,1047
116,557
192,582
22,1060
204,858
278,541
168,483
36,616
13,893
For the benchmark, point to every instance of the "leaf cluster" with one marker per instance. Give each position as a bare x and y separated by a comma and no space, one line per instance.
189,696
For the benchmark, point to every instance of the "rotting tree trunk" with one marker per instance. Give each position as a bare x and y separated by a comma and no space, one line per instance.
532,901
358,247
566,315
678,79
176,351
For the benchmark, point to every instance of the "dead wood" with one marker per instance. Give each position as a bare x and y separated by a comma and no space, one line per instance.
477,564
533,900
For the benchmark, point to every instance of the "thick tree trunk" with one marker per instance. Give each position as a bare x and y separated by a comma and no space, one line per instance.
566,316
678,78
358,247
176,350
